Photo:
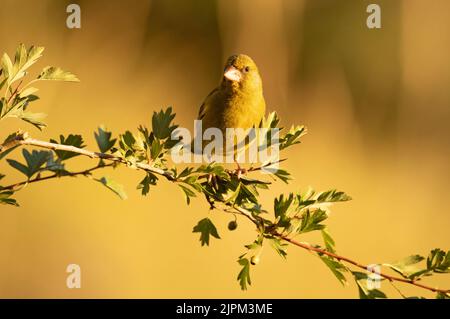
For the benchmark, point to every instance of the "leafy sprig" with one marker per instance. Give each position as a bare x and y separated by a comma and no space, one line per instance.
17,96
235,192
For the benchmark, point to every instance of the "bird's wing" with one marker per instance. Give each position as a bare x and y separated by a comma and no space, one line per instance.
204,108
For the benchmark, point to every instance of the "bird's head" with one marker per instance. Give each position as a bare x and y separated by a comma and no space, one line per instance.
241,72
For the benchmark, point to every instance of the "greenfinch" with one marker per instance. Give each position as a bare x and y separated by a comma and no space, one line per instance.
238,102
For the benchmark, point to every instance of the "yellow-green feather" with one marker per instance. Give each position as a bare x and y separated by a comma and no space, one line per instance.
232,104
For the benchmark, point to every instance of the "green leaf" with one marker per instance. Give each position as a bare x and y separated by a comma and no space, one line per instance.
16,109
441,295
188,193
332,196
336,268
370,294
5,198
279,246
34,118
364,292
271,121
5,153
55,166
19,60
312,220
52,73
292,137
104,141
244,275
113,186
407,266
35,160
184,173
21,64
71,140
252,181
328,240
28,91
22,61
155,149
127,141
231,194
206,228
19,166
34,53
246,194
7,66
161,123
214,169
191,180
2,83
283,175
282,204
438,261
256,245
144,185
20,57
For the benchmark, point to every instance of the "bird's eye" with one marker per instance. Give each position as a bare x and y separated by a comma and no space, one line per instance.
246,69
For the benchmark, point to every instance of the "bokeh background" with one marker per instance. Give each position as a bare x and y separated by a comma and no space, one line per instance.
376,103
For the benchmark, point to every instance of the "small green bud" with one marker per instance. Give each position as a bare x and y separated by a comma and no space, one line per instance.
254,260
232,225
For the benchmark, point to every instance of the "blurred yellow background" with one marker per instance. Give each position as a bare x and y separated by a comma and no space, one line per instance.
376,103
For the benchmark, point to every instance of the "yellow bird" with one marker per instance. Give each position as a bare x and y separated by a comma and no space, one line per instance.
238,102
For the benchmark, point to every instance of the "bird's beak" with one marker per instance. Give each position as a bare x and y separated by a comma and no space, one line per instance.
232,74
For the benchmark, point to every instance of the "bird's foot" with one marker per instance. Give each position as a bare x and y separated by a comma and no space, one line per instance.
240,172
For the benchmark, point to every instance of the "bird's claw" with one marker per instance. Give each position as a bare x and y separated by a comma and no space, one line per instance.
240,172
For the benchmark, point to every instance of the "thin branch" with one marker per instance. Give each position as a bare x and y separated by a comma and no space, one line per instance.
22,138
243,212
14,93
357,264
40,178
391,279
258,168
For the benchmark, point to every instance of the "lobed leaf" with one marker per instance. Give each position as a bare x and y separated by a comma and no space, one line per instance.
71,140
311,220
35,160
328,240
112,185
332,196
279,246
51,73
103,138
162,123
34,119
336,267
407,266
244,275
144,185
206,229
188,193
5,198
364,292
